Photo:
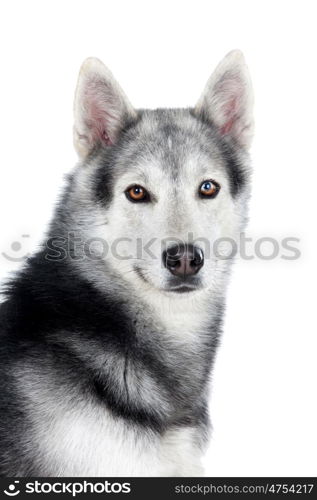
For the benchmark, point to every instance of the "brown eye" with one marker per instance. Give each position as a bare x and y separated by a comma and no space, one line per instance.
209,189
137,193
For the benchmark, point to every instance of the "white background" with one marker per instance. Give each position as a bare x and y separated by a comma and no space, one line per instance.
263,405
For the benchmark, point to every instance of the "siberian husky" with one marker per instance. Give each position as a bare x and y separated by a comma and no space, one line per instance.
109,332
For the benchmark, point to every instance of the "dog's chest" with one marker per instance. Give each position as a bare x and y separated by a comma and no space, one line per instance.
185,322
93,443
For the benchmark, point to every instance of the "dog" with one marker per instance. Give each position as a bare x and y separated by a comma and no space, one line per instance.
109,331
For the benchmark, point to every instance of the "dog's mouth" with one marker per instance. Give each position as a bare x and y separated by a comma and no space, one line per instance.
188,285
175,285
182,289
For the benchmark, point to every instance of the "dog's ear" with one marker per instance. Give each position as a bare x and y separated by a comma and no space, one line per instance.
227,100
101,108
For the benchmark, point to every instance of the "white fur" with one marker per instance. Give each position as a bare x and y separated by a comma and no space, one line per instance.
78,438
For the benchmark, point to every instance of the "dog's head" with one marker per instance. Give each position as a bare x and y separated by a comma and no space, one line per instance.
161,194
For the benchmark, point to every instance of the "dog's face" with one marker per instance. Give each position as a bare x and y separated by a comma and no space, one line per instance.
163,192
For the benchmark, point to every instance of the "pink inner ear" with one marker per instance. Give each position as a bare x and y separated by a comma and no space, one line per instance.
230,111
107,139
225,129
100,122
229,99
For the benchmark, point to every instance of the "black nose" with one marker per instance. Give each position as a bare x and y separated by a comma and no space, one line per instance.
183,260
